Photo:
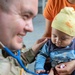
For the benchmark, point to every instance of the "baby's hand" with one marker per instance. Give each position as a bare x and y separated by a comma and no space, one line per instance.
40,71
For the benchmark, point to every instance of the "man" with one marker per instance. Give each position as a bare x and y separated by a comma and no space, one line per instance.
15,21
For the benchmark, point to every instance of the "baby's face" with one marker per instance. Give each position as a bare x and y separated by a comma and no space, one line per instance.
60,39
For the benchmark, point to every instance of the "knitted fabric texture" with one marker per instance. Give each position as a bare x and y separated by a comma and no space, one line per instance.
64,21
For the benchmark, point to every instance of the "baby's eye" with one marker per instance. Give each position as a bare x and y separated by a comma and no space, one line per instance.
54,36
63,38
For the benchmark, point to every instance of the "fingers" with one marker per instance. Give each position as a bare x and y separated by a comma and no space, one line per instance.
65,68
36,47
51,72
60,68
40,71
42,40
62,65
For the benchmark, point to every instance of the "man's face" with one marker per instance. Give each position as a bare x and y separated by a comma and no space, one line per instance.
17,22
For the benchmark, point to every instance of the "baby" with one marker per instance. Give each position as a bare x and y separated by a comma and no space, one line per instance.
61,47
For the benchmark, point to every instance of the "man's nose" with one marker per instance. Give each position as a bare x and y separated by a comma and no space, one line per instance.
29,25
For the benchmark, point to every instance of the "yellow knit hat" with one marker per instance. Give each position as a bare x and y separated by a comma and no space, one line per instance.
64,21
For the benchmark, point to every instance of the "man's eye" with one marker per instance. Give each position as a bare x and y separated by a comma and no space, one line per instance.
25,17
